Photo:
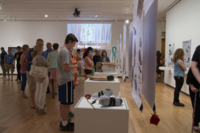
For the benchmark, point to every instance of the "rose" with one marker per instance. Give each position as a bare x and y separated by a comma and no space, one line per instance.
88,96
154,119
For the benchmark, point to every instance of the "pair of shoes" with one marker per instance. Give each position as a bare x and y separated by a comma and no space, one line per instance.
8,79
11,79
71,115
178,104
42,112
3,77
16,79
68,122
55,93
104,92
110,101
69,127
24,96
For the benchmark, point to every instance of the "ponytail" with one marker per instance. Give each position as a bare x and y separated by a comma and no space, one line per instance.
36,49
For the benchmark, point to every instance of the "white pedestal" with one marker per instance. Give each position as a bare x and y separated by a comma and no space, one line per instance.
91,86
106,74
165,68
101,119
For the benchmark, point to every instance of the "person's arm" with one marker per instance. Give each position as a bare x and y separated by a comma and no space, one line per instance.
68,67
193,89
44,61
195,70
180,62
22,58
89,61
161,61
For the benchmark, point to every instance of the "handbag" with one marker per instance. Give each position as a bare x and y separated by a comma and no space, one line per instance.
38,71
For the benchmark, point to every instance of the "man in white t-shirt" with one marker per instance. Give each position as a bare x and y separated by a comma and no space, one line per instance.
65,81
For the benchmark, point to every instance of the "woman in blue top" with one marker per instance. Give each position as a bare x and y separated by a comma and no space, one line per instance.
104,57
179,74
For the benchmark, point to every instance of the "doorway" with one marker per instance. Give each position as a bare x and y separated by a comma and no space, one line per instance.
163,45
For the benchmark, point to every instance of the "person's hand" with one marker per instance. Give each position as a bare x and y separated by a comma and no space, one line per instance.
76,83
79,63
193,89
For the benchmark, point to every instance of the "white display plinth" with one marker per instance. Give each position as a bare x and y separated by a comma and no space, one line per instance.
101,119
106,74
92,86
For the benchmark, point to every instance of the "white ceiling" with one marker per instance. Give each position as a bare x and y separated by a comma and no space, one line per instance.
63,9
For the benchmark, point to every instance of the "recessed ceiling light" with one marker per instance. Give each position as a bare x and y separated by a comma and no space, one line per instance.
0,6
46,16
127,21
96,16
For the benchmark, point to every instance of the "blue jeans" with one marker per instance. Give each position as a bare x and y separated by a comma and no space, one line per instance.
24,78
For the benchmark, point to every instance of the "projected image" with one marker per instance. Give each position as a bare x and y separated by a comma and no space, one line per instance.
97,36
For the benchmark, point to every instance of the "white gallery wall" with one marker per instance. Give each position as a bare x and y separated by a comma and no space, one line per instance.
182,24
14,34
161,27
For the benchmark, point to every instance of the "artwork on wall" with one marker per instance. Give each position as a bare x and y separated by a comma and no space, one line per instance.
121,51
149,52
170,56
137,52
114,50
118,53
124,54
187,52
130,50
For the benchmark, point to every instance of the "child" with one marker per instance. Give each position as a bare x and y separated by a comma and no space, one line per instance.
65,81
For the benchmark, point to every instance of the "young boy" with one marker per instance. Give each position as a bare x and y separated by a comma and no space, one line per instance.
9,64
65,81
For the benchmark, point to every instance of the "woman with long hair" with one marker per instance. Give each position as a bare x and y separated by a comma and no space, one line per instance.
52,58
159,63
179,74
87,56
104,57
23,69
41,83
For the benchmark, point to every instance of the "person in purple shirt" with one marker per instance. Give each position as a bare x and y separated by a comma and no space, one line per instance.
3,54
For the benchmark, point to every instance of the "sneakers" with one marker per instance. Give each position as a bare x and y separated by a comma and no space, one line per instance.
71,115
18,81
178,104
3,77
104,92
8,79
69,127
11,79
110,101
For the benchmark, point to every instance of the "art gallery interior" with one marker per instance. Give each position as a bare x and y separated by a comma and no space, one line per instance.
99,66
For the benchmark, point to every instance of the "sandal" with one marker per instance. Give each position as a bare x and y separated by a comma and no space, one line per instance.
42,112
24,96
34,107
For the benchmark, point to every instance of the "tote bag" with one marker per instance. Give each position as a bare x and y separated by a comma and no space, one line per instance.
38,71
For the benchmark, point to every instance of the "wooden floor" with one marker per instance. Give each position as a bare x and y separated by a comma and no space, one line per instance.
16,116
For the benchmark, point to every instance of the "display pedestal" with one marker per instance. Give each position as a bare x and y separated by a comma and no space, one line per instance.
106,74
101,119
92,86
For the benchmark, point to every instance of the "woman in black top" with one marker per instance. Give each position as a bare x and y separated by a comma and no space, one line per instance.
96,58
193,80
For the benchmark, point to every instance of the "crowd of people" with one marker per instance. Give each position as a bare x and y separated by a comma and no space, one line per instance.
62,76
